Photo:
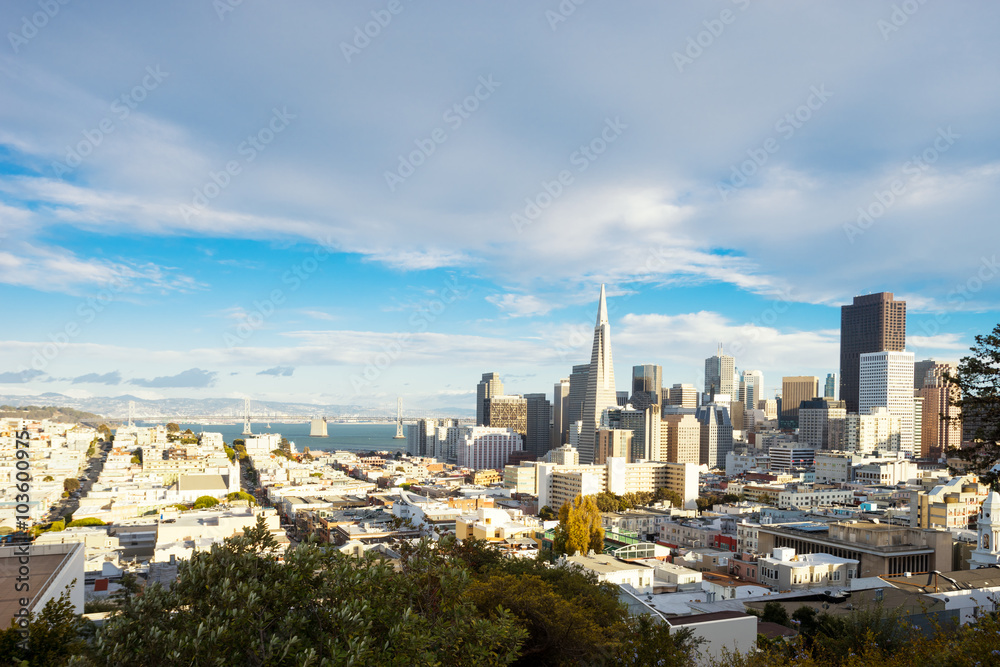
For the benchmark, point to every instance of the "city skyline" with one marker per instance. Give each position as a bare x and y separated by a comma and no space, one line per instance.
310,219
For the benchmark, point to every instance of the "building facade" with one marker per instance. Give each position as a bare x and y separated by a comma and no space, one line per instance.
873,323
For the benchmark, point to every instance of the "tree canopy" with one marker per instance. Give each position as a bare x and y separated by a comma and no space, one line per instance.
579,528
978,378
205,501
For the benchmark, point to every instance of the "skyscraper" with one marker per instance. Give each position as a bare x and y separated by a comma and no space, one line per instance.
577,391
886,380
941,425
873,323
751,388
508,412
601,393
647,385
539,409
830,390
560,413
489,387
794,390
683,395
720,374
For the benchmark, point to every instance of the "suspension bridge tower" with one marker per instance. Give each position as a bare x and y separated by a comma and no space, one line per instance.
246,417
399,420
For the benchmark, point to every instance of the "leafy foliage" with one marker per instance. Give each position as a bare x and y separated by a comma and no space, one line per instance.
978,377
237,605
547,513
88,521
71,484
202,502
579,528
241,495
55,636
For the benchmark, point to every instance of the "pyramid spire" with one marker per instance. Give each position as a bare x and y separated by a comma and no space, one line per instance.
602,309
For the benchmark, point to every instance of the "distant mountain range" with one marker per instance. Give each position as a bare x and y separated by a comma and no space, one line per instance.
116,407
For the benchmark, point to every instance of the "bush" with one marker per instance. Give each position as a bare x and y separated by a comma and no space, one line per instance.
88,521
205,501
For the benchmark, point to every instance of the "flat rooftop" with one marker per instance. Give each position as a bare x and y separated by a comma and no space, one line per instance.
42,567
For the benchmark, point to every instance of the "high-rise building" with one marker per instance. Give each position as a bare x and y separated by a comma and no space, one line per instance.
680,437
538,412
720,374
647,385
645,428
769,406
486,448
830,390
794,390
873,323
941,426
560,413
577,391
601,393
939,368
508,412
683,395
876,431
489,386
613,442
822,422
886,380
716,435
751,388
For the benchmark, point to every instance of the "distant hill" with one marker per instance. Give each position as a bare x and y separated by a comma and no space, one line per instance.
116,407
60,414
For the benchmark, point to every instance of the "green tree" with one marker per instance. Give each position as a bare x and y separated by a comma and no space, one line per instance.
231,453
579,528
609,502
55,636
49,478
241,495
730,498
205,501
978,396
173,427
236,605
71,484
88,521
775,612
671,496
547,513
706,503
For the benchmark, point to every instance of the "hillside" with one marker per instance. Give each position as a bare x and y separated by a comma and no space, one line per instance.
55,413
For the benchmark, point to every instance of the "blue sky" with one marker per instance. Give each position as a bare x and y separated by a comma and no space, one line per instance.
269,202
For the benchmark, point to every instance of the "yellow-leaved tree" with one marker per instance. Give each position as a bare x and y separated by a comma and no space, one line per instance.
579,528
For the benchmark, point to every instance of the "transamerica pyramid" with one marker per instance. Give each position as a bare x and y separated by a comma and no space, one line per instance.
601,393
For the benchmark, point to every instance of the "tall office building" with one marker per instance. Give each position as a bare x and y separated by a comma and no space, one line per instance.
613,442
822,422
794,390
873,323
830,390
886,380
560,413
645,427
680,437
647,385
538,416
577,391
508,412
720,374
683,395
941,426
489,386
716,435
601,393
751,388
